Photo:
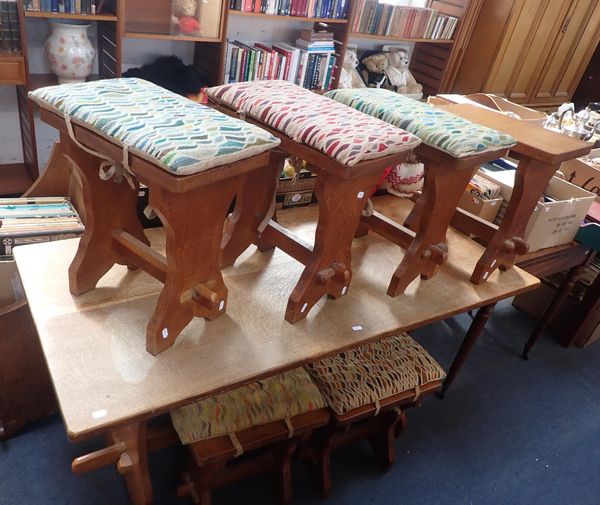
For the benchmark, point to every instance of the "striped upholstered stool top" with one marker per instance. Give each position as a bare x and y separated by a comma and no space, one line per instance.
343,134
174,133
439,129
277,398
374,372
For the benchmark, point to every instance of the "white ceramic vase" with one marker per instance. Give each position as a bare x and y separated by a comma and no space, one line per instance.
69,50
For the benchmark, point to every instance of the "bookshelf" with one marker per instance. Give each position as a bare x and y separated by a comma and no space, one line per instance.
433,63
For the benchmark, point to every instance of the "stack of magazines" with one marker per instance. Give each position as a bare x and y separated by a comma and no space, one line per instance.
29,220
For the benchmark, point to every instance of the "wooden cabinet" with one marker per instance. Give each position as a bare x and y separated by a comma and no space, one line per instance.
528,51
12,69
26,392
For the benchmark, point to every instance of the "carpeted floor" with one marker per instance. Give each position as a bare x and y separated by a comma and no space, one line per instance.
509,432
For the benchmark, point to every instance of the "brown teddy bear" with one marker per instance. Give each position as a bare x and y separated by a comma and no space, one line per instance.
374,71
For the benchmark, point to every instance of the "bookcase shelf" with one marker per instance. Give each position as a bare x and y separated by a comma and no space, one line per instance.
63,15
358,35
287,18
165,36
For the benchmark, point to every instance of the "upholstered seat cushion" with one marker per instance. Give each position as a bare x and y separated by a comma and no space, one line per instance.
344,134
370,373
177,134
279,397
436,128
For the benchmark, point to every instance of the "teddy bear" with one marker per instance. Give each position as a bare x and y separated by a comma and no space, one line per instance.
398,74
349,76
374,71
183,16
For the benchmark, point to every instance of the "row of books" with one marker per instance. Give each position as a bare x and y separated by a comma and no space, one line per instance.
62,6
27,220
405,22
10,38
332,9
310,68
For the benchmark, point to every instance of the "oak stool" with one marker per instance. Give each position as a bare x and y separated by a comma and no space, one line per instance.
366,389
194,160
249,430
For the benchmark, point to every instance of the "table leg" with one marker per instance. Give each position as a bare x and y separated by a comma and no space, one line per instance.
557,301
531,179
109,205
133,462
441,193
473,333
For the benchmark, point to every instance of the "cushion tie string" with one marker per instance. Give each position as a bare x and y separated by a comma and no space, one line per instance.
108,168
377,408
239,450
417,393
242,114
290,427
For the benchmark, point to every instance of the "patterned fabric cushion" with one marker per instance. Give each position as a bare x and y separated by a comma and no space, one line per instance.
341,133
436,128
373,372
280,397
177,134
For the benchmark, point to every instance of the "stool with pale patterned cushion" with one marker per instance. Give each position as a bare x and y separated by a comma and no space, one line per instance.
366,388
263,421
120,132
348,150
452,149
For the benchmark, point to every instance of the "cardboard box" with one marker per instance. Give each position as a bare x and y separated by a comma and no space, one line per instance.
552,222
583,174
485,209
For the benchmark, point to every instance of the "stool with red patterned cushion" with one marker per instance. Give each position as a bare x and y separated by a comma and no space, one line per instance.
366,389
348,150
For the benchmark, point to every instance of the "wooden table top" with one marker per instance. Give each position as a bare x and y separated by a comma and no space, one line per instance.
533,140
95,344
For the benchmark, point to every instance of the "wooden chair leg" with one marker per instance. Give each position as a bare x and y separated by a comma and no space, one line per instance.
328,271
194,285
441,193
558,299
108,206
531,179
255,203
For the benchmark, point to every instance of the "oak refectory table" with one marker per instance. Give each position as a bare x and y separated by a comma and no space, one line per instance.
107,384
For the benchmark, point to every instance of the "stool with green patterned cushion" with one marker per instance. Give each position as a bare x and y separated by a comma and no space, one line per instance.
249,430
452,149
347,150
117,133
366,388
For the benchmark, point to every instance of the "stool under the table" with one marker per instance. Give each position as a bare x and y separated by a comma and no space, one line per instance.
192,209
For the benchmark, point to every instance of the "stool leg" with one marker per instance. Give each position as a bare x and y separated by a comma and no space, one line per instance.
108,206
284,470
194,286
507,243
383,442
255,203
441,193
328,271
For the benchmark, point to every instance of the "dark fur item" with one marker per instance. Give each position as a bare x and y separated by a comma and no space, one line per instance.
170,73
